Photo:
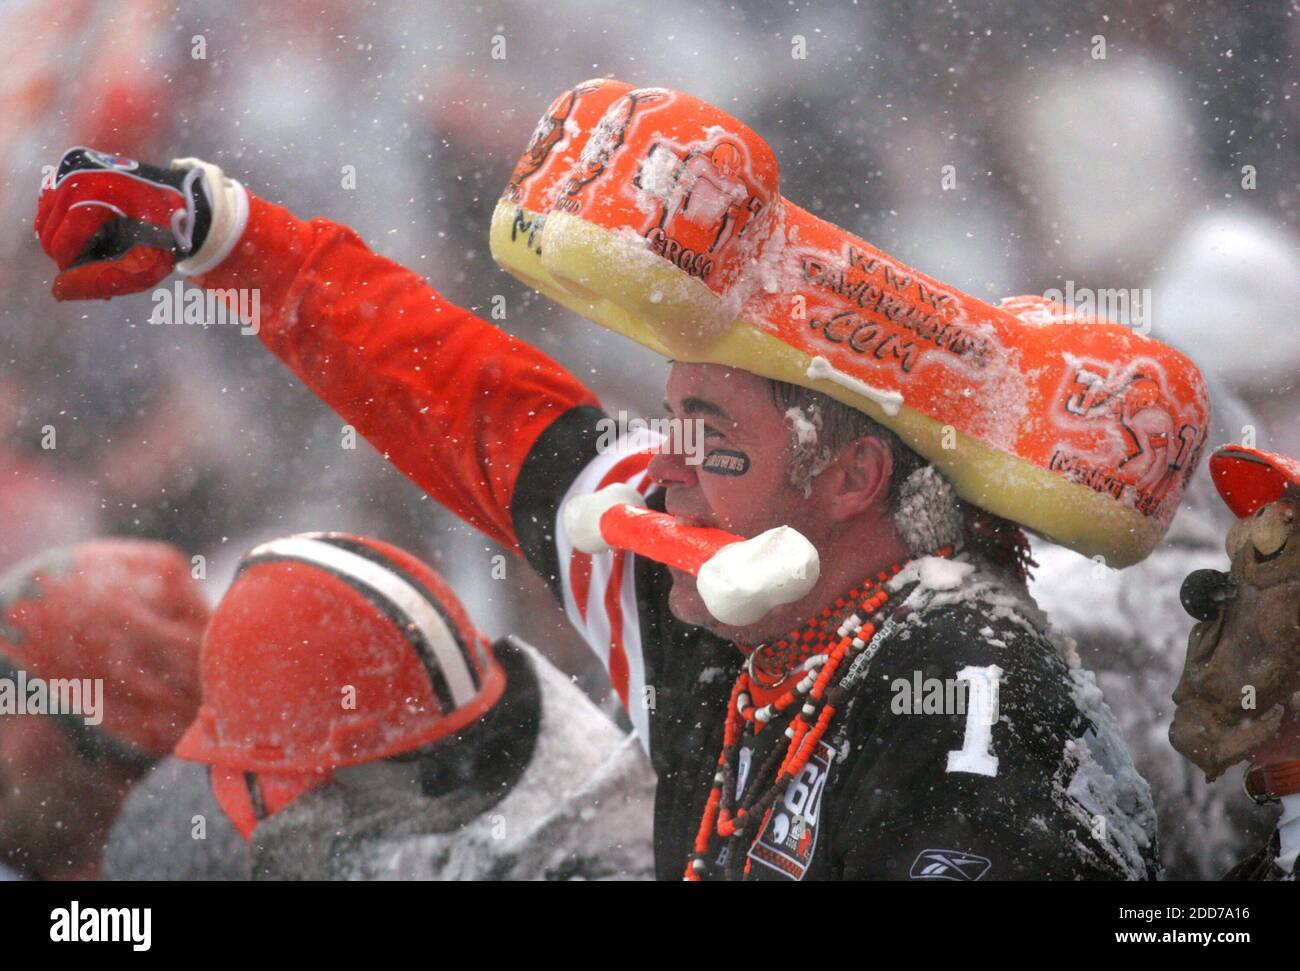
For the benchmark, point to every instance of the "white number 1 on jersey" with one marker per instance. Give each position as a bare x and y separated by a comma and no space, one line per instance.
976,752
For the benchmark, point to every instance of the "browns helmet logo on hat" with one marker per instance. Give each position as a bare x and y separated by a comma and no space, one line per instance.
568,118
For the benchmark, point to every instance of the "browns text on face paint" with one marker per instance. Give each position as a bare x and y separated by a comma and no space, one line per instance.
725,461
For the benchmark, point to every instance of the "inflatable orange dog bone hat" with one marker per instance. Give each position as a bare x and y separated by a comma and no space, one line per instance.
669,227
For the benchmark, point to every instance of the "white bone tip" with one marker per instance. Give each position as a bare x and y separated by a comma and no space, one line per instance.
743,581
582,515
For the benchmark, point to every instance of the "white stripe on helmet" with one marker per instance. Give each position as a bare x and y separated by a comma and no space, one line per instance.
409,599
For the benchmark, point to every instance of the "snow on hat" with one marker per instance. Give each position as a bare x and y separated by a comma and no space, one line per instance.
1248,478
122,610
670,228
330,650
538,181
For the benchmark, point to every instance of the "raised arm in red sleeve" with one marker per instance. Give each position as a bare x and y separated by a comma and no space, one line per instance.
452,401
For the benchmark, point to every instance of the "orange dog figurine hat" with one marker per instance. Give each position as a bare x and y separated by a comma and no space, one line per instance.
1248,478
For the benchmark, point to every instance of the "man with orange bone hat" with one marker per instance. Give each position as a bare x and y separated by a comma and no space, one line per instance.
900,709
356,725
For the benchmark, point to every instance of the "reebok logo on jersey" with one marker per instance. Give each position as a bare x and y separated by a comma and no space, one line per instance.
949,865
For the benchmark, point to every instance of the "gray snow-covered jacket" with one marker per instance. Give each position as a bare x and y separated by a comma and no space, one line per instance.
579,808
171,828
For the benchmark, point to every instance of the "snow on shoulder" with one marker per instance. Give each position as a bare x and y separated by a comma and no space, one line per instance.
1106,792
942,582
933,573
1101,787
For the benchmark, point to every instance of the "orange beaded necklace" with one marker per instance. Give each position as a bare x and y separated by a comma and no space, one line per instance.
818,654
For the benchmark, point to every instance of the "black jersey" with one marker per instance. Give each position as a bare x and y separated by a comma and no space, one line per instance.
970,750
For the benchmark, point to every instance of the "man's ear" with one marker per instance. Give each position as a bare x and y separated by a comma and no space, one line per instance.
863,470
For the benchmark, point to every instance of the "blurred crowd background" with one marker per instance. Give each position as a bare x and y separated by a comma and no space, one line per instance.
1169,165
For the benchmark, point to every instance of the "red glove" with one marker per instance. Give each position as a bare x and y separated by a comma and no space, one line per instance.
114,225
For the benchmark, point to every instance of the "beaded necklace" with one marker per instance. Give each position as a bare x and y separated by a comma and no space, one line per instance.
814,652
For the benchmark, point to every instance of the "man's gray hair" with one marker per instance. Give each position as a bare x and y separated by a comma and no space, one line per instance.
923,503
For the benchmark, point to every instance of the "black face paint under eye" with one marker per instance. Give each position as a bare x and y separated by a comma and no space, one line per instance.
726,461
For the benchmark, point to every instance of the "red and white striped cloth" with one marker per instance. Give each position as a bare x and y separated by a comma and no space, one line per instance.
600,589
